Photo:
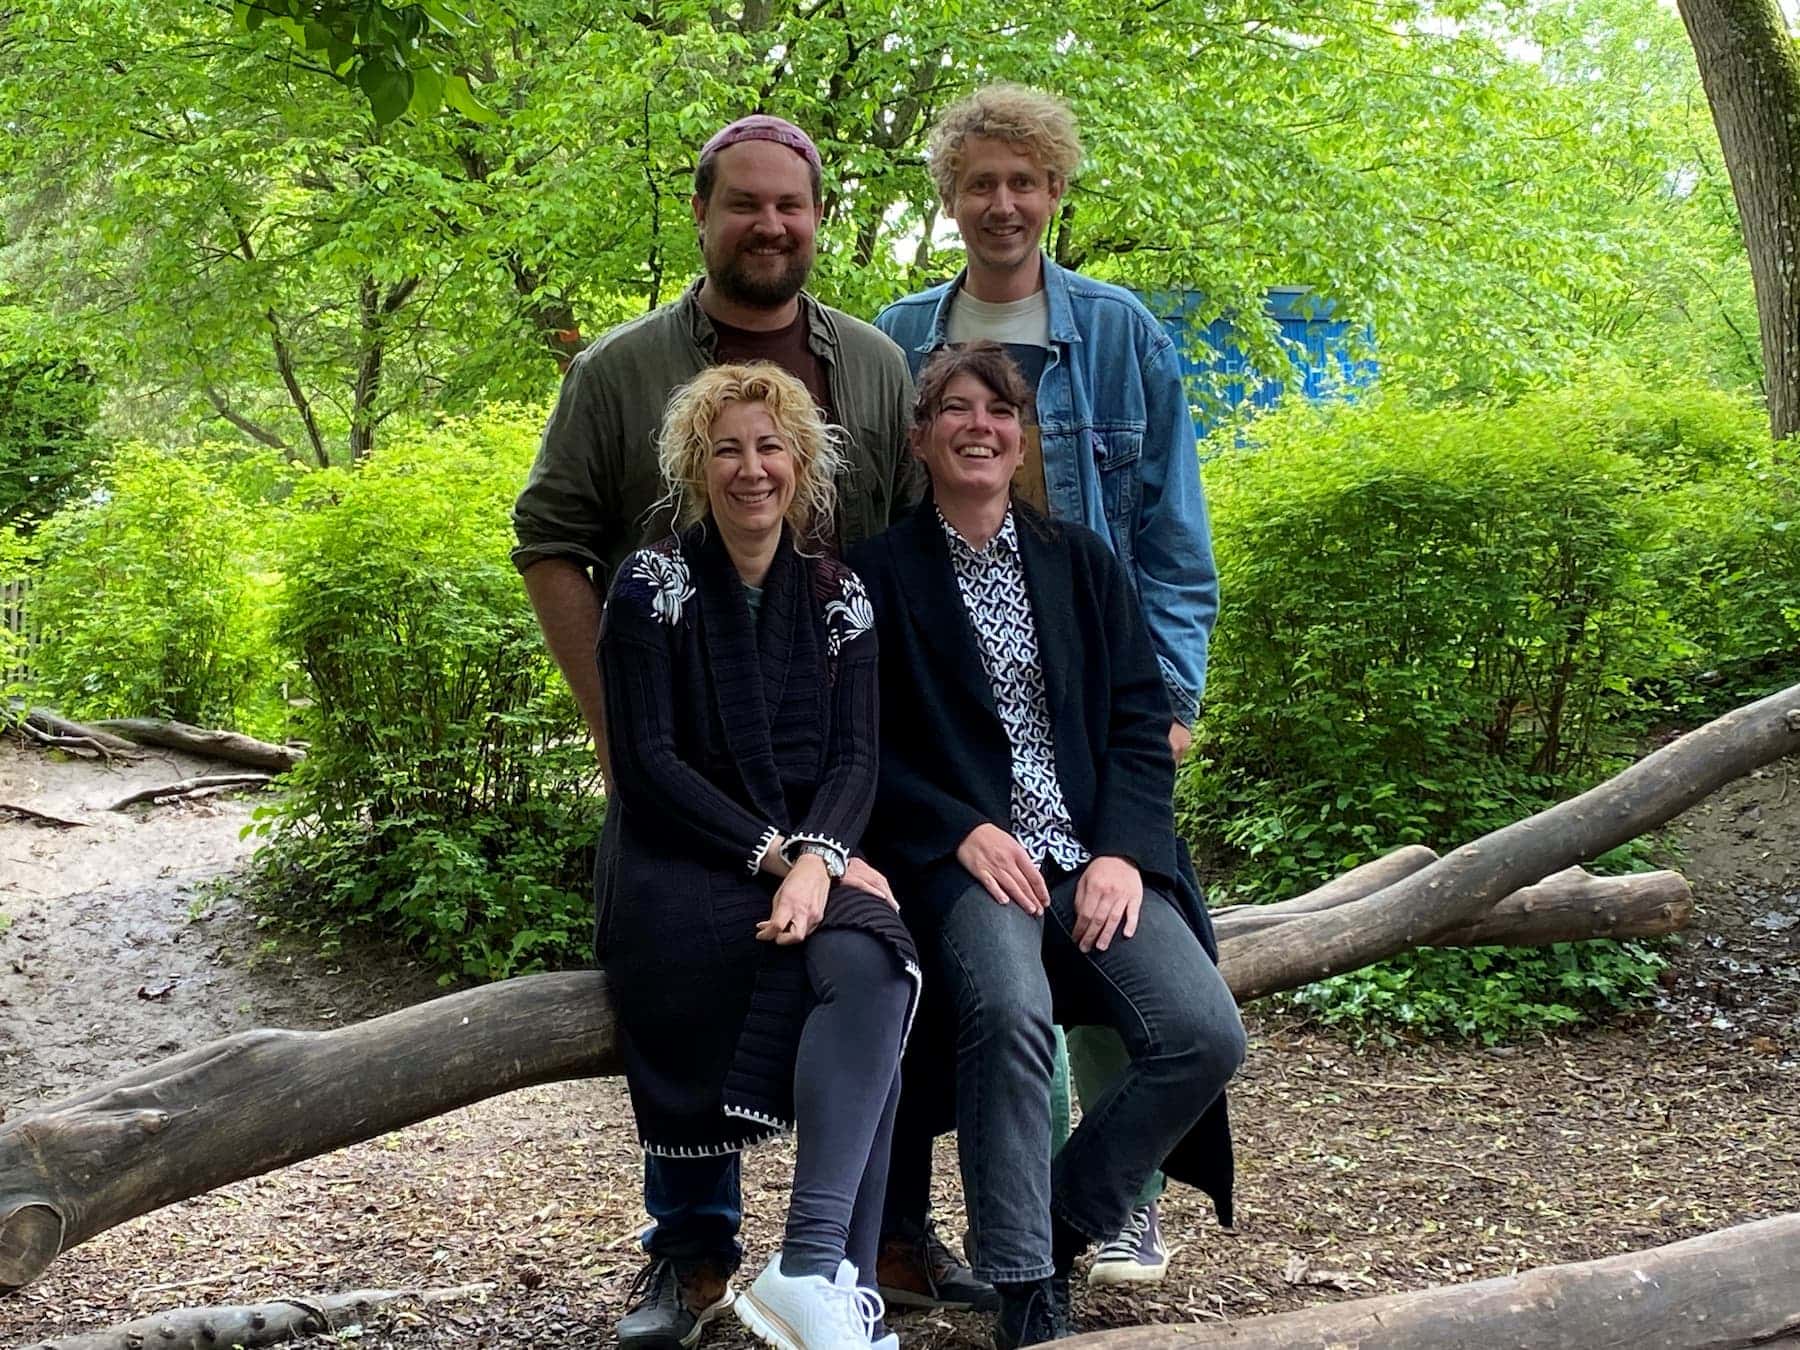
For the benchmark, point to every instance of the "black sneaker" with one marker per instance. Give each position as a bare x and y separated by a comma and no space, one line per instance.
667,1311
1038,1314
922,1272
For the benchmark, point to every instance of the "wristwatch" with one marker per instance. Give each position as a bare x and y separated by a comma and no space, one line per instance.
833,858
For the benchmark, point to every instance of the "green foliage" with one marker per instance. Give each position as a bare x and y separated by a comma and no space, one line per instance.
397,55
1440,619
1431,621
448,795
48,405
151,600
1498,191
1486,993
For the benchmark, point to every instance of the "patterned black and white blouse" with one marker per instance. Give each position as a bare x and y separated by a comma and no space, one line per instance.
992,582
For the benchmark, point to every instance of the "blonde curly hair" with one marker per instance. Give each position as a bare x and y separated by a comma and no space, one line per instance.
1038,123
684,445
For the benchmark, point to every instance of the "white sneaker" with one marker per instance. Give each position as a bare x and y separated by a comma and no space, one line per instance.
1136,1255
809,1312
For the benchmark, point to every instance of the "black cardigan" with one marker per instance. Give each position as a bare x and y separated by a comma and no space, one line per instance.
725,731
946,763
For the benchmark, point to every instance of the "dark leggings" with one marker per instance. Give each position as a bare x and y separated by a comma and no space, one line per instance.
846,1085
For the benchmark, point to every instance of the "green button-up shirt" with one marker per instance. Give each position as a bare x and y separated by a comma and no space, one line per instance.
591,491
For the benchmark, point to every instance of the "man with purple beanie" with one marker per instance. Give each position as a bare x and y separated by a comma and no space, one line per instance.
592,499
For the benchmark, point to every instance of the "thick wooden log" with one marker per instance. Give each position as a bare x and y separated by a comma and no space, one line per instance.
1457,889
1572,906
1735,1288
1355,884
259,1100
252,1325
226,745
47,728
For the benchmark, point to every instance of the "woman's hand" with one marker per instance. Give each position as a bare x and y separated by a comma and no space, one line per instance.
771,861
1001,864
1107,900
799,903
859,874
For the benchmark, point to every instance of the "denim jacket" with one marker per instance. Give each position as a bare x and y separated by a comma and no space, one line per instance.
1119,452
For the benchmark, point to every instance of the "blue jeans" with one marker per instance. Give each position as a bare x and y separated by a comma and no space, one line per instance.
1011,978
698,1209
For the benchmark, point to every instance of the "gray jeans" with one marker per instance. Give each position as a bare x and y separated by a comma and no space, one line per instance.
1010,978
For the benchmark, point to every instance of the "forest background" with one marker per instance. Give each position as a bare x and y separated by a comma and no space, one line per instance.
285,290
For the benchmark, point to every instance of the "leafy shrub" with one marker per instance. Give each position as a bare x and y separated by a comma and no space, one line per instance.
1431,622
151,601
447,798
1437,621
1728,570
49,402
1486,993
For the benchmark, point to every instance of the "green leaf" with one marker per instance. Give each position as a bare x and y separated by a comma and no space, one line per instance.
428,91
388,90
460,97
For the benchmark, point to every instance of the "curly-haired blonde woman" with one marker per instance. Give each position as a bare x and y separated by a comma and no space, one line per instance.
762,977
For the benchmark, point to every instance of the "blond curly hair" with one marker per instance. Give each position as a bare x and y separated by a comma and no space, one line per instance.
1038,123
684,445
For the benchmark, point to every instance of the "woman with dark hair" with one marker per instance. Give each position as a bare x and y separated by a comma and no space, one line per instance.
1024,815
762,978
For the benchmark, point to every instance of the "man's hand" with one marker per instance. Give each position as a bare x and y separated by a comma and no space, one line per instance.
1107,900
1180,738
859,874
799,903
1001,864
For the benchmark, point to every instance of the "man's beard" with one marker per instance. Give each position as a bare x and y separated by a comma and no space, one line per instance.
735,280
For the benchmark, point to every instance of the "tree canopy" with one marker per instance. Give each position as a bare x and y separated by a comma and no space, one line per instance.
298,218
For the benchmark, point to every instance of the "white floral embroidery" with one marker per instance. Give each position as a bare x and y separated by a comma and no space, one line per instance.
670,587
849,616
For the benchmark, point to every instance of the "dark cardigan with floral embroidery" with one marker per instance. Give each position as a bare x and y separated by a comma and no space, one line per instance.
724,731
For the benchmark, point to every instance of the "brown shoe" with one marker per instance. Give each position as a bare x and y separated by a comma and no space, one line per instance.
922,1272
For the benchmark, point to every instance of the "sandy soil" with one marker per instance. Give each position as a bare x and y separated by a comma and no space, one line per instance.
1362,1170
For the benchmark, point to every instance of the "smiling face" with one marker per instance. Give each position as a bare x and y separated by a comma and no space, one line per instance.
750,473
758,228
971,445
1004,200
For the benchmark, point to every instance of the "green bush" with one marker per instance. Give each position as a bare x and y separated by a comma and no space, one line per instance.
1486,993
448,796
153,599
1439,620
49,402
1431,623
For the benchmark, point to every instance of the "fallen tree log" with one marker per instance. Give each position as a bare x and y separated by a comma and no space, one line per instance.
1572,906
261,1100
1736,1288
226,745
249,1326
189,787
47,723
1457,889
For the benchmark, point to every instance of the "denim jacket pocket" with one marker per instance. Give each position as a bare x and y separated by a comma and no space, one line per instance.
1116,456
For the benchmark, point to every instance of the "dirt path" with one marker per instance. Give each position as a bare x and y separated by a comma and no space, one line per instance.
1361,1171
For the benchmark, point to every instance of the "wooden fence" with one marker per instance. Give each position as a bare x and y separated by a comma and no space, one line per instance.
15,618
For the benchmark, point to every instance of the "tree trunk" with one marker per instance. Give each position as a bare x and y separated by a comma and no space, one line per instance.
1458,889
226,745
1571,906
249,1326
1751,71
263,1099
1735,1288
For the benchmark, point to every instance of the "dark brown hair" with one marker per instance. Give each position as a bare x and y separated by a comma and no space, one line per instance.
983,358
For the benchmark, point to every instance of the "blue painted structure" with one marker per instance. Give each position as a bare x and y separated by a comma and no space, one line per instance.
1319,347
